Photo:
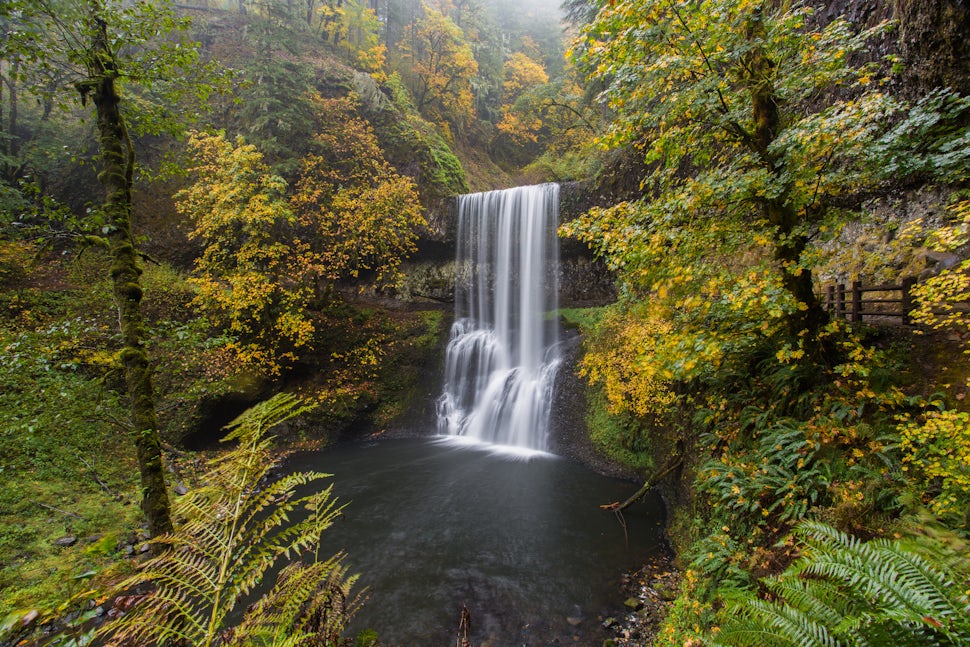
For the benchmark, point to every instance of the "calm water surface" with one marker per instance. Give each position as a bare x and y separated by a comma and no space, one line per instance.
431,525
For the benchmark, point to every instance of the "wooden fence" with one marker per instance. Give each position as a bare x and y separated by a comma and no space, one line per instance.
854,303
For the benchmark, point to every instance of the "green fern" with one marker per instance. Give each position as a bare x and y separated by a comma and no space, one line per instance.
308,606
767,624
900,586
782,474
233,531
847,592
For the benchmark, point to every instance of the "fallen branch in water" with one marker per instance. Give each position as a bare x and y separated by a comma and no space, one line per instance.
648,485
463,626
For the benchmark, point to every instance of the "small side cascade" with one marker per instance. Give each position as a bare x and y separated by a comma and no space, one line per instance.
503,355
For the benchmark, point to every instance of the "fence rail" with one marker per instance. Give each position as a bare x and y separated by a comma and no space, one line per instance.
852,303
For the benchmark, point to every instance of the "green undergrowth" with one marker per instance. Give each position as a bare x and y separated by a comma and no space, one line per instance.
872,443
367,370
67,464
852,446
619,437
585,319
403,379
406,137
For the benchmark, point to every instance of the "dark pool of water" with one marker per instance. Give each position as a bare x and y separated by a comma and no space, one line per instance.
522,543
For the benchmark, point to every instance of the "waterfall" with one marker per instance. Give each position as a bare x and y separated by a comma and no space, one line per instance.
502,356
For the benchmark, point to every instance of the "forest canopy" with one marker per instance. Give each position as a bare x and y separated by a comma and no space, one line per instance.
209,202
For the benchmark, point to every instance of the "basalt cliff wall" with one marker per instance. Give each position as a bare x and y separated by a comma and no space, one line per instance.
430,272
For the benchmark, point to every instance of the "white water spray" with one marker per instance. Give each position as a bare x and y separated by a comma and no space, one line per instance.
502,357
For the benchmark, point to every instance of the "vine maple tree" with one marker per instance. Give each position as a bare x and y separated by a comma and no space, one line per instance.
356,213
249,279
520,115
439,67
272,252
745,162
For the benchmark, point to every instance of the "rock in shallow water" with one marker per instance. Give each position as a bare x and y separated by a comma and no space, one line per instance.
633,603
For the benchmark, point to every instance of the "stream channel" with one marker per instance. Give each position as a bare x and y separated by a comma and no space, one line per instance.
432,524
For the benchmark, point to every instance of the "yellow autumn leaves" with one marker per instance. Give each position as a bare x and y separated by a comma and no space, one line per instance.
271,252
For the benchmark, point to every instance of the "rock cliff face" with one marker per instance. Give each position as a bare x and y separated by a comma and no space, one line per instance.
930,37
933,39
430,272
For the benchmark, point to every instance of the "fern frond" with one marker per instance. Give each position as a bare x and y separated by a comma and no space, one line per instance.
819,600
873,629
844,591
308,605
767,624
271,495
255,421
936,588
906,587
234,532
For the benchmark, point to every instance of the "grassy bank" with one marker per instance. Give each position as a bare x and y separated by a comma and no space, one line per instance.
68,475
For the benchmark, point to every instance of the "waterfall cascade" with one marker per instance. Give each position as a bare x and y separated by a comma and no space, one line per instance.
502,356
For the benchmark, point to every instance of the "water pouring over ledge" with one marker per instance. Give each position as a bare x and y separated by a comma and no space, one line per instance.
431,526
502,357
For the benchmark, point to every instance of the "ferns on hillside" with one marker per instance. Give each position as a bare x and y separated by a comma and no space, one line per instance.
782,475
233,530
847,592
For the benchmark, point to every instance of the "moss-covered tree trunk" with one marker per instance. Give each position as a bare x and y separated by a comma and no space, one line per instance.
790,244
117,161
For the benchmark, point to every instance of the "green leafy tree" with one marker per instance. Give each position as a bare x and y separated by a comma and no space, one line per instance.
723,98
93,45
571,121
355,212
237,528
274,115
521,120
272,253
437,65
359,37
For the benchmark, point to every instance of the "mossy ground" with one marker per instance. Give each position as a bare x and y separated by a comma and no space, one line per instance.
67,465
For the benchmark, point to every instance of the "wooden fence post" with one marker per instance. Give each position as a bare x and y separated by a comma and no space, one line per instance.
857,301
907,288
840,300
830,298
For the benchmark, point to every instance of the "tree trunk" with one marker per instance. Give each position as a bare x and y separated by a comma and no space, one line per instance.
806,322
3,140
12,125
117,161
